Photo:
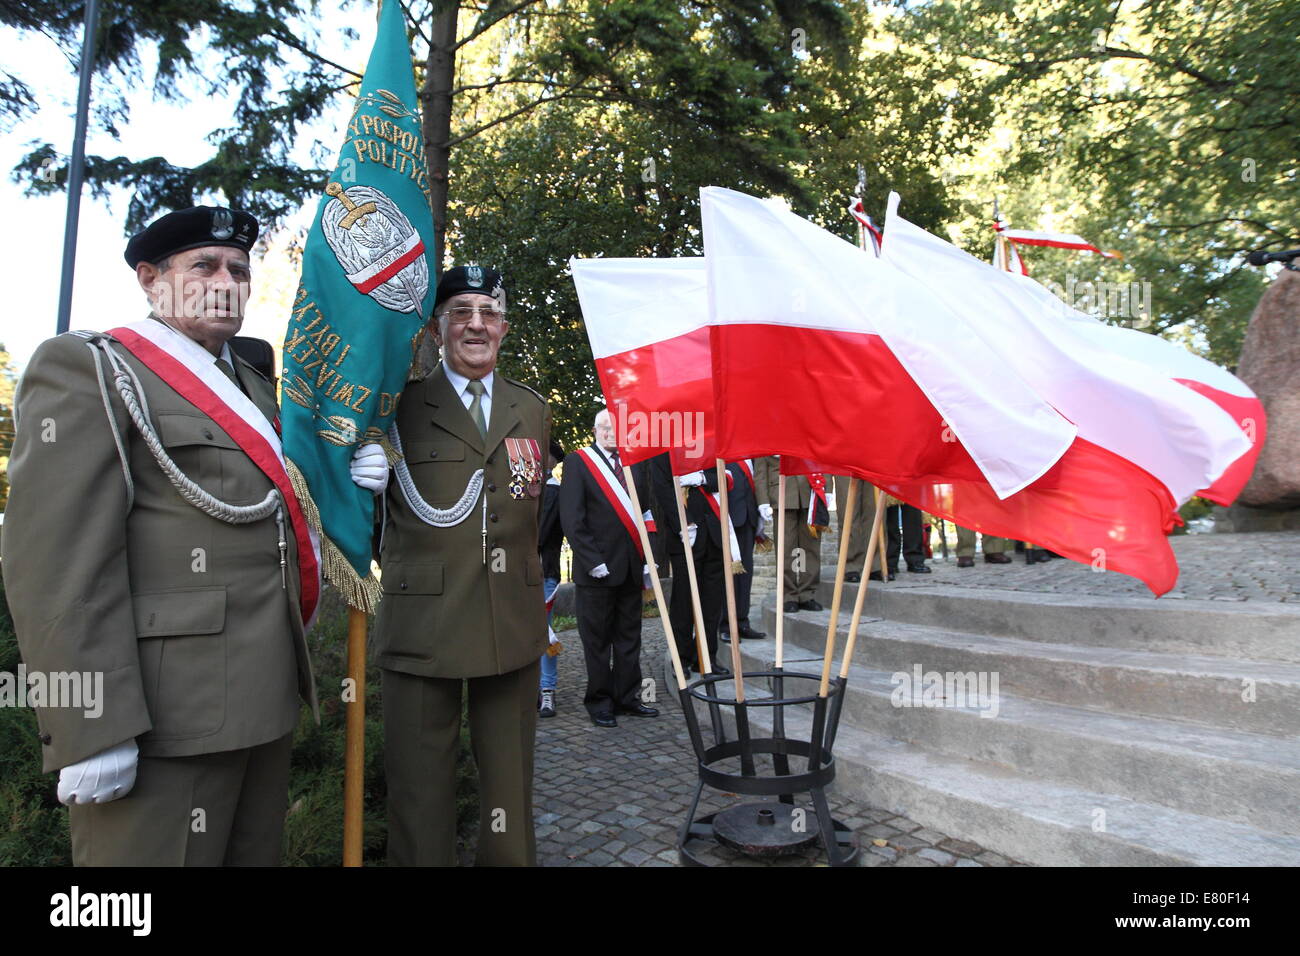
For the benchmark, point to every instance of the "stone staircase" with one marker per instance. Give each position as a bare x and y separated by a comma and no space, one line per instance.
1123,731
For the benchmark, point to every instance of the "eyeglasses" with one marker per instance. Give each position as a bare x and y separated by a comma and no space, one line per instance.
463,315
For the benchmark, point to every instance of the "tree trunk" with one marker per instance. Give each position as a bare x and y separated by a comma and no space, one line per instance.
435,97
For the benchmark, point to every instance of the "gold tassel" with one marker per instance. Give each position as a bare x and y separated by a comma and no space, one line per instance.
553,650
737,567
361,593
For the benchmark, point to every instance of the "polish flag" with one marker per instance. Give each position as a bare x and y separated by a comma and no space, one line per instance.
648,324
957,387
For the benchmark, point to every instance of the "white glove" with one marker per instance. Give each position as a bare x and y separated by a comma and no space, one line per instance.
694,478
107,776
370,468
551,635
691,531
766,512
600,571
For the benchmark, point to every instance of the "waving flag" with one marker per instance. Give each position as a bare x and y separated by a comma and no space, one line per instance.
365,295
648,323
885,365
1056,240
873,232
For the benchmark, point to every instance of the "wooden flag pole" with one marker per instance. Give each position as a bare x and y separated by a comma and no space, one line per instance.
354,763
779,519
845,522
729,577
862,589
701,645
639,516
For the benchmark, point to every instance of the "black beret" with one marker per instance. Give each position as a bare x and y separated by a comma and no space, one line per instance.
461,279
190,229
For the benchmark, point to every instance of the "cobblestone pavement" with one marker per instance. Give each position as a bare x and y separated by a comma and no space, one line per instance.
615,797
1259,567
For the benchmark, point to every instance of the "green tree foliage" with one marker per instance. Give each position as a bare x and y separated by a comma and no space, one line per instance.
1172,127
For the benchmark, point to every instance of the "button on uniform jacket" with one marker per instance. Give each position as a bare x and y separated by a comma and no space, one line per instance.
200,647
445,612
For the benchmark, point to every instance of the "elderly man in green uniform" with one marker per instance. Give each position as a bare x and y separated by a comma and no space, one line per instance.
152,541
462,583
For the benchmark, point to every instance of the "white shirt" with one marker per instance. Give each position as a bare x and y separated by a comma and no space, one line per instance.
461,385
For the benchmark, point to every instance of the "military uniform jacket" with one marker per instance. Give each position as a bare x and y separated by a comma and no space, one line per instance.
201,648
767,476
446,613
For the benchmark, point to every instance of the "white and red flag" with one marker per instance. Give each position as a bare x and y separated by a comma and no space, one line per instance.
961,389
1055,240
868,225
648,324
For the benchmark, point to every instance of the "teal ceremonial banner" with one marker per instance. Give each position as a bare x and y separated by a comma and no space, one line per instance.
361,307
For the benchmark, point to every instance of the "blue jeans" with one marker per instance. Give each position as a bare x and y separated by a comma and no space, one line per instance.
550,665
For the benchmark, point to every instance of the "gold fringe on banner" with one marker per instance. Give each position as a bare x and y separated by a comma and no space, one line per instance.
360,593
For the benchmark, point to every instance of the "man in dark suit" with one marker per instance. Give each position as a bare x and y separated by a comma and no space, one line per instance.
707,549
595,512
742,505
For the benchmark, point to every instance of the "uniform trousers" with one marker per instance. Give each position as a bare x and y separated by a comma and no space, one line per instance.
421,744
803,560
966,543
219,809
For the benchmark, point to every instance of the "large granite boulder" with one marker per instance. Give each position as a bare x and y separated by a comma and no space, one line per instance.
1270,364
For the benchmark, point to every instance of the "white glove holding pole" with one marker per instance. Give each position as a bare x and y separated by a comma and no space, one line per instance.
766,512
693,479
370,468
104,777
600,571
691,531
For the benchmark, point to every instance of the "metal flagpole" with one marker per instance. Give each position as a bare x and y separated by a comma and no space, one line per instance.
76,170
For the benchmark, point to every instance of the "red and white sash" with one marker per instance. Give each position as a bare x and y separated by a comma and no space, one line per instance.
192,372
614,492
716,505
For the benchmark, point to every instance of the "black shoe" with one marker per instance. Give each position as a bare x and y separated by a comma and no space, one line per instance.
810,605
791,607
1045,555
997,558
547,706
919,569
720,669
875,576
852,577
604,720
1031,555
639,710
966,561
749,634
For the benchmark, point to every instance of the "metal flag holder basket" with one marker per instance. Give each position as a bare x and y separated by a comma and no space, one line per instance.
765,829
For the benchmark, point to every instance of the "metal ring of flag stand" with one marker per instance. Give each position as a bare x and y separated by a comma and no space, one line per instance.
765,829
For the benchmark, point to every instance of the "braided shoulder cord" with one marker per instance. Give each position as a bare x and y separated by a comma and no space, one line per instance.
437,517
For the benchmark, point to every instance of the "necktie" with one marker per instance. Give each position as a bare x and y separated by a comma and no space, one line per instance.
618,468
229,372
478,390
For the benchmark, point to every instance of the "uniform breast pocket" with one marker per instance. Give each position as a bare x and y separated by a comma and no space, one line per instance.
182,648
439,470
210,457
